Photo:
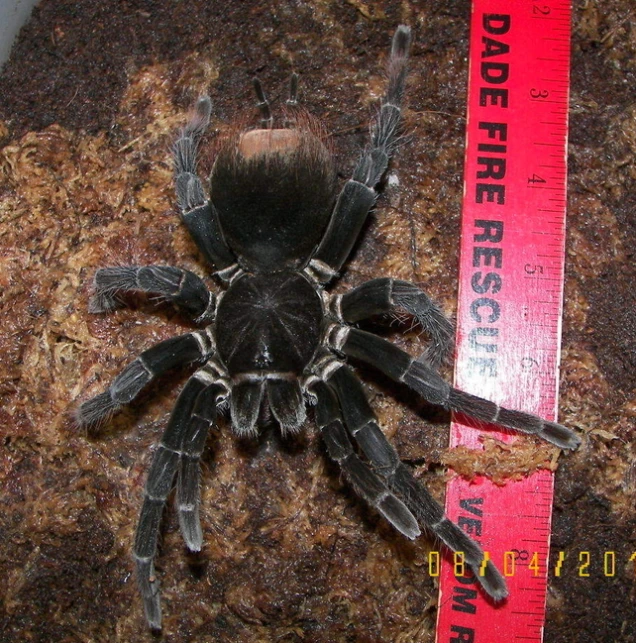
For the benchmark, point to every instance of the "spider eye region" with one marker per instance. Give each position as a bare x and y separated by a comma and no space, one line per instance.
273,191
267,324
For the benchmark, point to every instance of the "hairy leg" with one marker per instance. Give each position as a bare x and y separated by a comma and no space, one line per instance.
150,364
359,193
181,287
401,367
197,212
361,423
386,295
358,473
179,450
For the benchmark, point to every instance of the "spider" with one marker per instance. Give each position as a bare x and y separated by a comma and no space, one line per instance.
276,341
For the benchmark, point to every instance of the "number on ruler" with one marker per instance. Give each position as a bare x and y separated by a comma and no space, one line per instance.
541,10
539,94
528,363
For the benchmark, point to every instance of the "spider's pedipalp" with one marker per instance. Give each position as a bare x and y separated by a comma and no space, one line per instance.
385,295
361,422
203,417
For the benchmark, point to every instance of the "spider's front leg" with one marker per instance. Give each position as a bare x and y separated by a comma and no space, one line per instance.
401,367
176,351
361,423
359,474
385,295
358,194
179,450
180,287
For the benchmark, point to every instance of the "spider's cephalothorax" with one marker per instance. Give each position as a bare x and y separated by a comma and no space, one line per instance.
277,233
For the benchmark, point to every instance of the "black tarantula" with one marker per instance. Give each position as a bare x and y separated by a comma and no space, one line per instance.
276,340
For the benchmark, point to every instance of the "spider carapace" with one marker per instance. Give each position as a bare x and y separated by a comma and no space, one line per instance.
277,232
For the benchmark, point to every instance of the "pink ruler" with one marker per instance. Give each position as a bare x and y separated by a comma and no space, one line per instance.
510,299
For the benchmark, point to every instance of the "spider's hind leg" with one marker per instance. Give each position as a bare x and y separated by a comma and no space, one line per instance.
358,194
197,212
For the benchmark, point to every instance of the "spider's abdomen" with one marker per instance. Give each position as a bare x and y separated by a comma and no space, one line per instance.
268,324
273,191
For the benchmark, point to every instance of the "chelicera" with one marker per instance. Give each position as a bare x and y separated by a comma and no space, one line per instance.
275,341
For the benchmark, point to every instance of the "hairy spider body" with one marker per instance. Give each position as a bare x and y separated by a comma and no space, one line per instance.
268,329
273,192
277,233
